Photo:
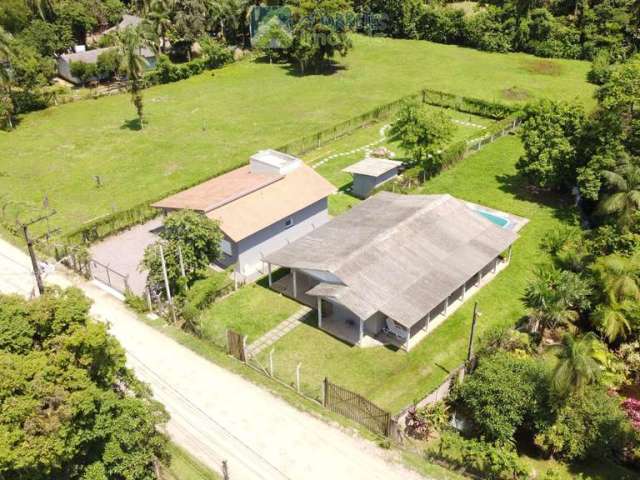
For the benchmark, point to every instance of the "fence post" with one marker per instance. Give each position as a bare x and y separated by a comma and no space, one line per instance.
325,386
271,362
225,470
298,377
149,304
106,268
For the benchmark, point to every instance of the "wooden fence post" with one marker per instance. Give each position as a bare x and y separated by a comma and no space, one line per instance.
225,470
325,385
298,377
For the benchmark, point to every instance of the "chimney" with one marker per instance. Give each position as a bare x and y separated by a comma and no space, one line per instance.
273,162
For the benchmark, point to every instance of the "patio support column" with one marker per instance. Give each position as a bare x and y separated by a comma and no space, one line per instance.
269,268
509,254
406,345
319,312
446,305
295,282
464,291
495,265
361,333
426,325
479,277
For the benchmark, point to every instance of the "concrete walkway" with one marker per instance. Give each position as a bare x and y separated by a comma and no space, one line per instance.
275,334
217,415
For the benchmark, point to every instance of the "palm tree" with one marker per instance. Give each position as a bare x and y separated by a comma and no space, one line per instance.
554,297
624,200
159,17
612,319
6,101
131,41
41,8
577,366
232,14
619,277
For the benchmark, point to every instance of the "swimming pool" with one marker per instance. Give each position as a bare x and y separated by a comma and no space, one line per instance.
500,221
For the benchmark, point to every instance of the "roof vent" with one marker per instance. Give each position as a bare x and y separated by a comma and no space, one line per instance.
273,162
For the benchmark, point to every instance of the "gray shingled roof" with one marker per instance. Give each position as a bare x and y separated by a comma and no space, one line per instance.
401,255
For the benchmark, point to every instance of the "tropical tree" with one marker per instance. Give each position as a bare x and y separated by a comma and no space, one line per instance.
623,200
159,18
613,319
41,8
231,17
577,365
320,31
555,297
131,41
618,277
6,101
272,38
423,134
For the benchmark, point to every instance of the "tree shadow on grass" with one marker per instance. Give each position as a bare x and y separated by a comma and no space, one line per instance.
326,69
562,205
133,124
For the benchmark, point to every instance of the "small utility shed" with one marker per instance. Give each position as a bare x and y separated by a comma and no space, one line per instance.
389,267
370,173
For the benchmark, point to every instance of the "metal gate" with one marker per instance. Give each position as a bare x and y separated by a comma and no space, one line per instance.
356,407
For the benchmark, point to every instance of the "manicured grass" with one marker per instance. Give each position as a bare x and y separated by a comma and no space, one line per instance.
184,467
211,123
252,310
393,379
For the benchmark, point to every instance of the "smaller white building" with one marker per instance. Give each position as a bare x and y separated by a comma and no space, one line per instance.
370,173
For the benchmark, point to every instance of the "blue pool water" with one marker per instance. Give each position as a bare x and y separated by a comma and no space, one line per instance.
493,218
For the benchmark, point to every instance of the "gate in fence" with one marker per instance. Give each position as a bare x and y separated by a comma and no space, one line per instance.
109,276
354,406
236,345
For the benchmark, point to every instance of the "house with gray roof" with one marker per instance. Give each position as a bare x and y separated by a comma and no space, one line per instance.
389,270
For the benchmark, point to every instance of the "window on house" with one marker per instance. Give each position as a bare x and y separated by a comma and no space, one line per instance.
288,223
225,245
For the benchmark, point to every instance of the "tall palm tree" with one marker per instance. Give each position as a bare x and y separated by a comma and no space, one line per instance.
577,365
131,42
624,200
159,17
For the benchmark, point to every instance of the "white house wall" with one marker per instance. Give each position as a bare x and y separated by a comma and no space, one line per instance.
251,250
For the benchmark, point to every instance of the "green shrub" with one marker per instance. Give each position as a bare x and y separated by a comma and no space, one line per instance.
206,291
589,426
108,64
136,303
600,68
214,53
84,71
495,462
507,393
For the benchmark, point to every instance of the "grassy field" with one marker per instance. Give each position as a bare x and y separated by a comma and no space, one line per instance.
184,467
394,379
208,124
252,310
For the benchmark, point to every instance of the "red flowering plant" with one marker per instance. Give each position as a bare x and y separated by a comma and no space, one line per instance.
632,408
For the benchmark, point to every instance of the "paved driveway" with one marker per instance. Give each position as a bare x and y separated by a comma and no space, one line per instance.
123,252
217,415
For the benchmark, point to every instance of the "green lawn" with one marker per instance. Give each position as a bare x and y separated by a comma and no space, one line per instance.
394,379
252,310
184,467
205,125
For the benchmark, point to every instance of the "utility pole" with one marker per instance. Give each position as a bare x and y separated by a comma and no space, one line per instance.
166,282
182,271
32,252
476,314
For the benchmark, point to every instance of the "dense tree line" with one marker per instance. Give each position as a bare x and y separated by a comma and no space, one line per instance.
559,28
69,407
